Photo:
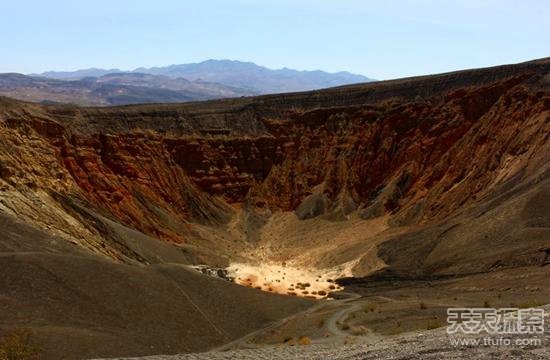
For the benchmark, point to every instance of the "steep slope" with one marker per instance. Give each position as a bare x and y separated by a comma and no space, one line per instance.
385,149
420,178
80,305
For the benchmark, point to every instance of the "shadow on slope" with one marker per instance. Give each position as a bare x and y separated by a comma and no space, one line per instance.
81,305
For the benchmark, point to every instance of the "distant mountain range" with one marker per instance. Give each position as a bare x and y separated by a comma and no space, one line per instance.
248,75
113,89
175,83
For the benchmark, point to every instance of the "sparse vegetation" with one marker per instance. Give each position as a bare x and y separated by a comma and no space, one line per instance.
395,331
321,323
433,324
241,191
422,305
289,340
18,345
302,340
530,304
368,308
359,330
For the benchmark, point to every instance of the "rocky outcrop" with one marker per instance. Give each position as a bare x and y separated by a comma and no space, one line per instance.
418,149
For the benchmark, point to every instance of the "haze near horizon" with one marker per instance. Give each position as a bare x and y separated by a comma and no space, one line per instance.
380,41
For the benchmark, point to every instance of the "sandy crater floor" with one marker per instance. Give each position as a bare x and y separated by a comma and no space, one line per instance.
285,279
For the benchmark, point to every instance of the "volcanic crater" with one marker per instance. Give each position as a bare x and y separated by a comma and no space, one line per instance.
355,188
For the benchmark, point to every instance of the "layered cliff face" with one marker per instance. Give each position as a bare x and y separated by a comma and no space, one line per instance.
434,155
214,180
430,178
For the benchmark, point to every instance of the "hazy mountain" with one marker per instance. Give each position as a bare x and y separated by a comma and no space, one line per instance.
210,79
113,89
245,75
78,74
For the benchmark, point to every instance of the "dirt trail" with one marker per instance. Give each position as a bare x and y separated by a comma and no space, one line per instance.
432,344
331,325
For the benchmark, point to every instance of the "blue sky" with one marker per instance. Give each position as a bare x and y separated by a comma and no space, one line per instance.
380,39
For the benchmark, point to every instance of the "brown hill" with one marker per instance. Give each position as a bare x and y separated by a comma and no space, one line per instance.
81,305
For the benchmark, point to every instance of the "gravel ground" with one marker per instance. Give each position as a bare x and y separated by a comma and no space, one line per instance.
432,344
428,345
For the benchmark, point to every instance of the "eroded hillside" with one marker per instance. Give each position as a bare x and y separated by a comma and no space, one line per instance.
209,176
422,178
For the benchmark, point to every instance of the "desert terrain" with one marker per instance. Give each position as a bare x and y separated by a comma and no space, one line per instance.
350,216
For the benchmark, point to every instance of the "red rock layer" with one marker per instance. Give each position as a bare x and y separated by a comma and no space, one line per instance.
421,158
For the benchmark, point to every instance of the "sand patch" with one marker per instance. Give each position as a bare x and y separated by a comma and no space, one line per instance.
288,280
